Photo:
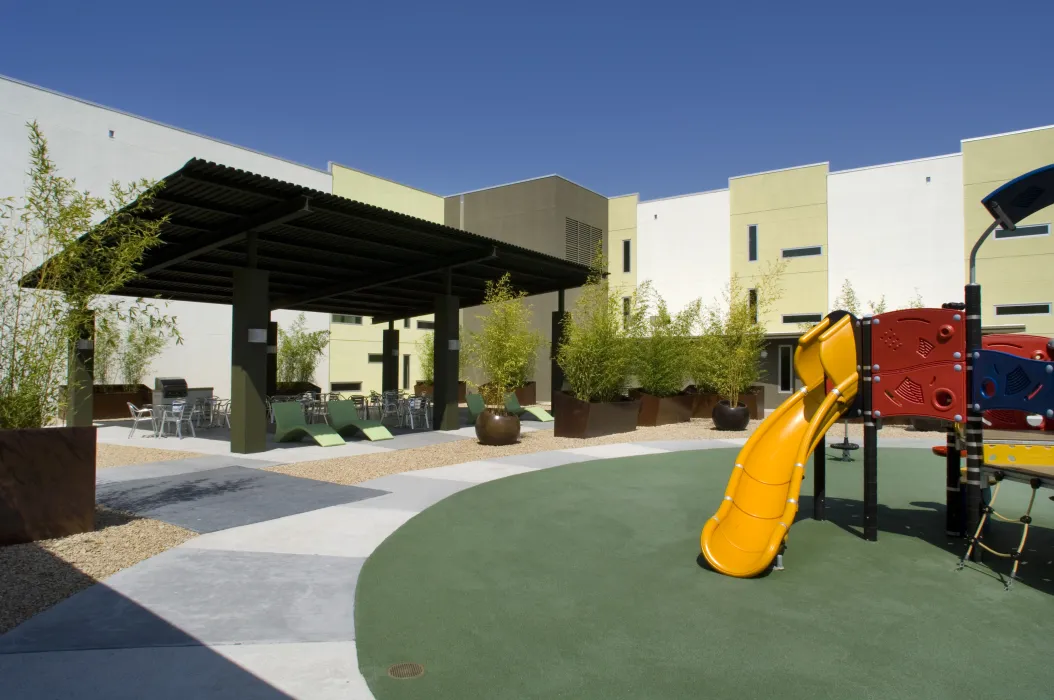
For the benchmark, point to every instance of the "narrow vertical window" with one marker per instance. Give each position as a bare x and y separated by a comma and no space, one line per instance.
752,242
406,371
752,299
626,250
786,369
625,311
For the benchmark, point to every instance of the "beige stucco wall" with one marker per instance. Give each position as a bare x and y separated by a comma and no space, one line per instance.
789,208
363,187
622,221
1010,271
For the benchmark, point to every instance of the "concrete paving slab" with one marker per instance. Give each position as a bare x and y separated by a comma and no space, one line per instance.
337,531
409,492
472,472
153,470
319,671
685,445
424,438
217,499
622,449
189,596
543,460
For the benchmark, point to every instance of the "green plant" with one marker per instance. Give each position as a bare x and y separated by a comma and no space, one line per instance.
426,353
916,301
141,346
299,351
664,349
61,251
732,339
847,300
596,352
107,348
505,347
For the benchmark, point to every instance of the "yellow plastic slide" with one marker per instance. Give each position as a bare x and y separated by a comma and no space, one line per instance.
761,500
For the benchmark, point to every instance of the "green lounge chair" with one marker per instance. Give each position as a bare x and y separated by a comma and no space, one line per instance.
344,415
290,426
475,406
512,405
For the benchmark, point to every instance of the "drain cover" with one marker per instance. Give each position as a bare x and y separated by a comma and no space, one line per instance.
406,670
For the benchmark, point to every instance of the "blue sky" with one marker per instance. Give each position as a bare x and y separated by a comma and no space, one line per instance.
656,98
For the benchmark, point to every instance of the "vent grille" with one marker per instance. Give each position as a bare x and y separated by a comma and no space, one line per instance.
581,241
925,347
910,391
1017,381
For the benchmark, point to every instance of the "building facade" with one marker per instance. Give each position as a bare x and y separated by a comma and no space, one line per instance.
898,232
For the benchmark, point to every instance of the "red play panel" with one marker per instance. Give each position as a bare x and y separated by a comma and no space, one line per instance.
936,391
917,337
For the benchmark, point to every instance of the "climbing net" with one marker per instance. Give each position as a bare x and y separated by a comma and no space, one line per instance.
988,511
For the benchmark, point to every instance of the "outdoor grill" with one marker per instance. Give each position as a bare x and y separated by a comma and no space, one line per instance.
169,388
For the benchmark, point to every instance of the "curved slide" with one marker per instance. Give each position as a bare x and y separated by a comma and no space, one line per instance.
761,500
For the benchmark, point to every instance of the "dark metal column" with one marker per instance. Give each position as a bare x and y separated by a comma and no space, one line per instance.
819,479
953,520
557,373
272,358
974,426
445,415
80,377
390,358
250,319
870,436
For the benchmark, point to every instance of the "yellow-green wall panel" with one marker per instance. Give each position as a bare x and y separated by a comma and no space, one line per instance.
363,187
622,223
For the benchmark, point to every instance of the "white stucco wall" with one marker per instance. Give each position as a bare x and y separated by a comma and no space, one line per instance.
80,144
891,231
683,246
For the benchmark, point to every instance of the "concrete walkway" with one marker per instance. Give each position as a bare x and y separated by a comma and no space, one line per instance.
262,604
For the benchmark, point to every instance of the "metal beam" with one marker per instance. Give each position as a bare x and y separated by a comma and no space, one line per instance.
389,277
237,231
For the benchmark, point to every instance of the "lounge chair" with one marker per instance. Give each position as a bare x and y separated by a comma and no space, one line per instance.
343,416
290,426
475,406
512,405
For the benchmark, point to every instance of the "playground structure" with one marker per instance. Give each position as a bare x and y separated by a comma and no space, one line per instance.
928,363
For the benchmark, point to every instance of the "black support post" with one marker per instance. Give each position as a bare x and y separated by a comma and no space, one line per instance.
250,319
445,415
390,351
870,437
819,479
974,425
80,378
557,374
272,358
953,497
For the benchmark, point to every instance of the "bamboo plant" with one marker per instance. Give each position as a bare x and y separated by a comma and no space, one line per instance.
664,348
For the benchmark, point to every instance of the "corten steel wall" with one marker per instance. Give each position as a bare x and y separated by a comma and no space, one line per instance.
1014,270
531,214
78,134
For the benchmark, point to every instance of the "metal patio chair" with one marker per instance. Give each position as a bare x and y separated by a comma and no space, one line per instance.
140,414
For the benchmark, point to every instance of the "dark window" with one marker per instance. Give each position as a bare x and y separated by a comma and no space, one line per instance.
1022,309
344,318
1022,231
346,386
625,310
626,256
752,299
802,318
752,243
786,369
406,323
803,252
375,357
426,325
406,371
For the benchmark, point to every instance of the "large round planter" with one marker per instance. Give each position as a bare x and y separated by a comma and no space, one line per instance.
728,418
494,429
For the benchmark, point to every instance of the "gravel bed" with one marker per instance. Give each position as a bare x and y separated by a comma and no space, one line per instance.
107,455
38,575
352,470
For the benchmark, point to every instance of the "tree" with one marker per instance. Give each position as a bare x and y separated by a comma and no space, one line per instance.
505,348
426,355
916,301
62,251
596,351
847,300
140,348
299,351
729,350
664,349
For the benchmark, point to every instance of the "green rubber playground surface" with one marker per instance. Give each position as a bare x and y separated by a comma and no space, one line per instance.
582,582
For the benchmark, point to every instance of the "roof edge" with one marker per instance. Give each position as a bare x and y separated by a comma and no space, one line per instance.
1007,133
780,170
381,177
681,196
898,162
525,180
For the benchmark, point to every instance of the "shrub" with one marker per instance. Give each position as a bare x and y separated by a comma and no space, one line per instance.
299,351
596,353
505,347
664,350
426,355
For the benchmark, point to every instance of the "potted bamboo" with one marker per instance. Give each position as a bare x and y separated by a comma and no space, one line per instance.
662,366
47,317
503,350
596,354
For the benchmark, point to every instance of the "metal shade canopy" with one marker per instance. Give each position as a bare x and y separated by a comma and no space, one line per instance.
1021,197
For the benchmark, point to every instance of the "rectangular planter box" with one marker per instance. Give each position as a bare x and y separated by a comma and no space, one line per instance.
47,483
111,400
527,394
422,389
753,400
582,419
665,410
